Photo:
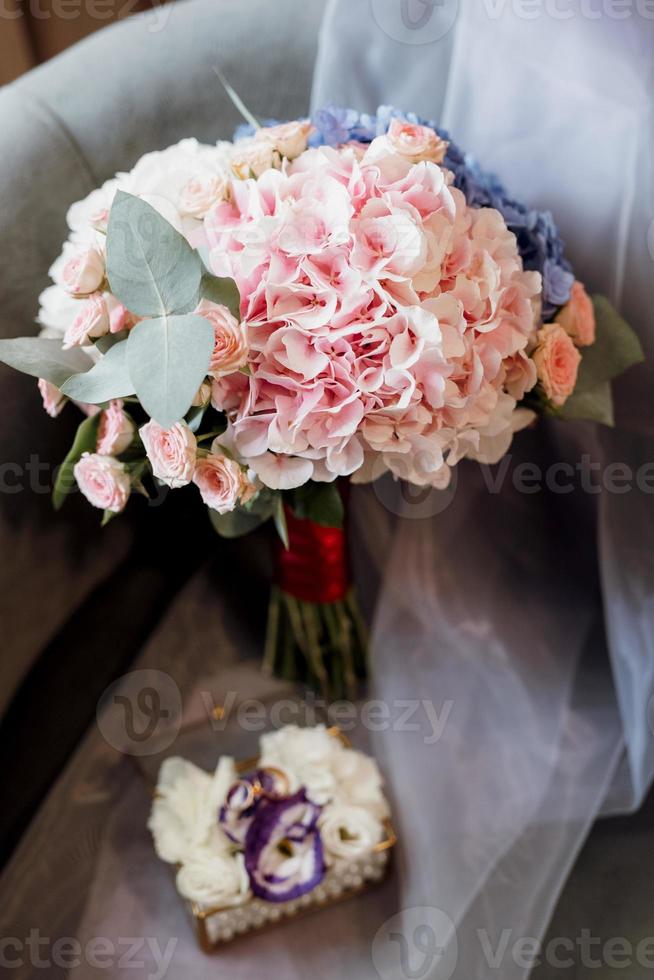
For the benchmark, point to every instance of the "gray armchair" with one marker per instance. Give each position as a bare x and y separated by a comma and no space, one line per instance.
66,127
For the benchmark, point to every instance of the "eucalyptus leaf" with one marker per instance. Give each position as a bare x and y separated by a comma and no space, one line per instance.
616,348
44,357
168,359
596,404
236,523
151,267
320,503
222,291
107,379
109,340
85,442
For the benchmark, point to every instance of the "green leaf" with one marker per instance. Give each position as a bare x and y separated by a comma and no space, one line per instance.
85,442
595,404
168,359
223,291
279,517
44,357
236,523
151,267
107,379
616,348
109,340
320,503
237,101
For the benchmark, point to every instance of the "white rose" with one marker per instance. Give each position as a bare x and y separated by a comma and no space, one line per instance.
349,832
199,194
84,272
214,878
57,310
172,452
253,156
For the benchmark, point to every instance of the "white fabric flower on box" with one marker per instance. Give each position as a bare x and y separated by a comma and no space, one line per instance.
214,878
184,813
306,755
349,832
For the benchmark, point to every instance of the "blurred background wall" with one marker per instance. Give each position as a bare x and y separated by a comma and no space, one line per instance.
31,31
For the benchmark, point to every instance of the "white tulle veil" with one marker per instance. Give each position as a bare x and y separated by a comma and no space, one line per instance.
529,613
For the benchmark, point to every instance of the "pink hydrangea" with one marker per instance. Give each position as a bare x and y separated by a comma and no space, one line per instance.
387,322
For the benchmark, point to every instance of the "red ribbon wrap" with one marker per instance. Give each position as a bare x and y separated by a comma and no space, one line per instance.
315,567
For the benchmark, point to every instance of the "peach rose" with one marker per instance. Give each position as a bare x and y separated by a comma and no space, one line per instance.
416,142
230,350
220,481
520,375
557,362
172,452
288,139
84,272
91,321
104,481
115,431
201,193
53,399
578,316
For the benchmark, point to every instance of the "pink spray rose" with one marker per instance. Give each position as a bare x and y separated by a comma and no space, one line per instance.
230,349
84,272
53,399
91,321
578,317
115,431
557,362
171,452
416,142
104,481
221,482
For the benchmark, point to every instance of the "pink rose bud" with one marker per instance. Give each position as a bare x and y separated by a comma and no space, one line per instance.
53,399
578,317
104,481
221,482
417,142
115,431
557,362
230,350
84,273
172,452
289,139
201,193
91,321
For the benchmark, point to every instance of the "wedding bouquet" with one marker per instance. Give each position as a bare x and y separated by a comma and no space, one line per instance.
320,301
305,823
